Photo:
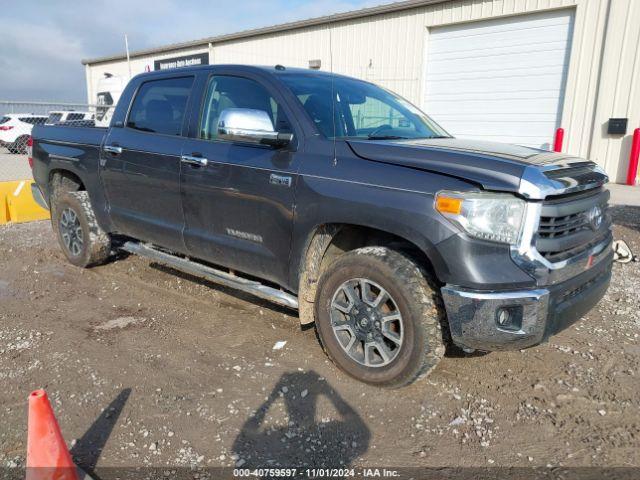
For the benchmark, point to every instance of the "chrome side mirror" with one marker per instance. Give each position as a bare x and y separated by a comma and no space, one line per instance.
250,126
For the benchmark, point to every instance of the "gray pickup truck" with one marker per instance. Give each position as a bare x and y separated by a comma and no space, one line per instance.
335,197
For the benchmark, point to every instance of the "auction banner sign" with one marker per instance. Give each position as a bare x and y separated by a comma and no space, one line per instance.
184,61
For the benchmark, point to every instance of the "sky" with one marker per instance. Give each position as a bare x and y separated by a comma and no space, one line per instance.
42,42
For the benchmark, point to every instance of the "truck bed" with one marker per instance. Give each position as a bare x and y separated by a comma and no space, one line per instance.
65,134
72,149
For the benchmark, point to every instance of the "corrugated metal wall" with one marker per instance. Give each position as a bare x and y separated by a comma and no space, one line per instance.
619,88
389,50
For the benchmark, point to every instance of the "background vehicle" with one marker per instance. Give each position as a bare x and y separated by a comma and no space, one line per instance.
15,129
78,123
336,197
110,88
64,116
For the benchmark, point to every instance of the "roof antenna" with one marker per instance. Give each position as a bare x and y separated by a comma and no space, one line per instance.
126,46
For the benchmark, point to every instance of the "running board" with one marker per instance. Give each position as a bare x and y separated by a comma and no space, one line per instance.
217,276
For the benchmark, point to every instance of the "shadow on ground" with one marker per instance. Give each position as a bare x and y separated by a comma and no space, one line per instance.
306,440
88,448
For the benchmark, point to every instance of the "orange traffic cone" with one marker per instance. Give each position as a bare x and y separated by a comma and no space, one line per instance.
47,454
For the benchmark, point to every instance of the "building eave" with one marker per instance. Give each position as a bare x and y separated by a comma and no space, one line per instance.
284,27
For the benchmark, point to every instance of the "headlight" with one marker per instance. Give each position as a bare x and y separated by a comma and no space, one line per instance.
496,217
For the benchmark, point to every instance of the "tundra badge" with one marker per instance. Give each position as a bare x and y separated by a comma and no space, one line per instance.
280,180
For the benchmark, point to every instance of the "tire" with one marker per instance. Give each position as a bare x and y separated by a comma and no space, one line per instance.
20,145
83,242
412,343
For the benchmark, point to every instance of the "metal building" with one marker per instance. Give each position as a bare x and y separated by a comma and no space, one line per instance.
503,70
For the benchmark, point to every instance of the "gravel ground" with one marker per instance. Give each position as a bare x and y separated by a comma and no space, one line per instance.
148,368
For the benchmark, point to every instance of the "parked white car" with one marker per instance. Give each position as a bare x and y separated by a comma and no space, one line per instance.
63,116
15,129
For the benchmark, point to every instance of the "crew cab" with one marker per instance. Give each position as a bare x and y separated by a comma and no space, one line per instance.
335,197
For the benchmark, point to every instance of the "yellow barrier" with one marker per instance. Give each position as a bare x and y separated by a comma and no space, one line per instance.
17,204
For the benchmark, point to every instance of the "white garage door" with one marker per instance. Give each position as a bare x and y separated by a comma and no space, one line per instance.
500,80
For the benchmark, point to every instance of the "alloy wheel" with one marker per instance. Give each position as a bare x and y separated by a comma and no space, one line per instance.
367,322
71,232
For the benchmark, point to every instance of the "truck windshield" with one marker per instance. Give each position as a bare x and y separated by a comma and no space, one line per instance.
358,109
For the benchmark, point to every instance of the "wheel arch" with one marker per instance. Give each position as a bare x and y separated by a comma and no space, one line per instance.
327,241
77,180
70,181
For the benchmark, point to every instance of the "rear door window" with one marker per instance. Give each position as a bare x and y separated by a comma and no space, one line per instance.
159,106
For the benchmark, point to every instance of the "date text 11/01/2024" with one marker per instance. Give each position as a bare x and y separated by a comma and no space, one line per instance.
317,473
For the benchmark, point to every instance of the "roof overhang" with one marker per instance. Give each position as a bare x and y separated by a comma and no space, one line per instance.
284,27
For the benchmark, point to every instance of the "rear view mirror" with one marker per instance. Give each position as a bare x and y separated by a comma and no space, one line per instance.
250,126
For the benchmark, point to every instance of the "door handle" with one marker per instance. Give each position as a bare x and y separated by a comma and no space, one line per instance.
197,161
113,149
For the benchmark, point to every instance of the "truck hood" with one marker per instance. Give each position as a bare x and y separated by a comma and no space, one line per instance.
493,166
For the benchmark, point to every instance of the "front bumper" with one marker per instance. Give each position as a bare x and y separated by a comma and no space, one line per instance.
477,319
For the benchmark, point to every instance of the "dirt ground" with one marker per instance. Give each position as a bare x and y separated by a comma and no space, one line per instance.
148,368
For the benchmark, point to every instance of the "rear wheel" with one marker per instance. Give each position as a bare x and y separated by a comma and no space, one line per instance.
83,242
377,317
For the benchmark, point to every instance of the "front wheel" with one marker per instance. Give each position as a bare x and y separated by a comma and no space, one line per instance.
83,242
377,317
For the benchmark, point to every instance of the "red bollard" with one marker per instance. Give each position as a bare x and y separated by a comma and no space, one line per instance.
632,173
557,146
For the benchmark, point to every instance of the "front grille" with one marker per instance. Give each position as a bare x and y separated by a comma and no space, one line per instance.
553,227
567,228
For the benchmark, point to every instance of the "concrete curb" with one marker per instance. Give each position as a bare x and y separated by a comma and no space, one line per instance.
17,204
